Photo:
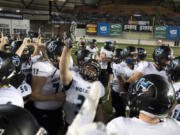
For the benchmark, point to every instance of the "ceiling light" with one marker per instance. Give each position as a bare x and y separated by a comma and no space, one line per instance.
1,9
18,11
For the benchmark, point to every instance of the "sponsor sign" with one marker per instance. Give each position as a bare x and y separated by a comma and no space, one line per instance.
173,33
160,31
103,29
91,29
115,29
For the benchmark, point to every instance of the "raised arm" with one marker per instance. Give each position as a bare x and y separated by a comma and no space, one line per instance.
69,40
65,74
19,52
4,40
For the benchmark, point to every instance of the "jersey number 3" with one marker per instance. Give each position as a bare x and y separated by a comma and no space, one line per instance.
81,99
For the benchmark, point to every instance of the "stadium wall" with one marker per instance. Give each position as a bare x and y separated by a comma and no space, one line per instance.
136,38
11,24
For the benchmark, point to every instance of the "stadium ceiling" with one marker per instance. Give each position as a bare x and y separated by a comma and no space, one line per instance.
42,6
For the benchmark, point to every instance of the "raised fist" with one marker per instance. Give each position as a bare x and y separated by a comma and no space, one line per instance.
69,37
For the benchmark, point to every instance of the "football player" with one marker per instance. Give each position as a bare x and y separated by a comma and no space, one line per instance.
105,59
122,72
81,57
83,123
152,97
161,59
18,121
77,84
47,90
174,73
10,65
92,48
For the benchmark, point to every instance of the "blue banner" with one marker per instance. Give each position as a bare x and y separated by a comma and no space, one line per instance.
103,29
173,33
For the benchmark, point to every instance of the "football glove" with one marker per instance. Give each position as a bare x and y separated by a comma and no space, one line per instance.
69,37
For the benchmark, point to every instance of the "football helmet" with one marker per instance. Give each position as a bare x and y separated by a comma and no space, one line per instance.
54,49
93,43
90,70
161,55
15,45
82,56
153,95
10,65
109,46
82,46
130,51
18,121
7,47
27,52
174,69
117,55
141,53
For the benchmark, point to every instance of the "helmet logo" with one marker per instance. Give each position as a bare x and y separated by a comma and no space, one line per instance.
143,86
16,61
1,62
158,51
141,51
1,131
52,47
174,63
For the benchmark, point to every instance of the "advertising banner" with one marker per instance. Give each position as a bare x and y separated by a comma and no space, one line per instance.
160,31
143,28
115,29
103,29
91,29
173,33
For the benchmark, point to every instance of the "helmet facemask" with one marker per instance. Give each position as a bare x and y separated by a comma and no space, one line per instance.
162,56
90,71
131,60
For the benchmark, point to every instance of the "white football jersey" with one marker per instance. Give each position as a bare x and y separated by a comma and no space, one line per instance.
109,54
143,63
121,70
176,110
12,96
71,63
135,126
92,51
25,89
176,86
52,85
150,69
36,57
76,95
26,69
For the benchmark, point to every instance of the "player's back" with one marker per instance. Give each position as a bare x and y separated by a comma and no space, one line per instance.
149,68
52,85
11,95
135,126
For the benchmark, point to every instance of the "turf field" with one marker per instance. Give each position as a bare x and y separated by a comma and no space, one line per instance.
107,108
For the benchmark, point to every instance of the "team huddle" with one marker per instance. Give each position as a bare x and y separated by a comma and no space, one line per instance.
66,98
